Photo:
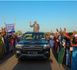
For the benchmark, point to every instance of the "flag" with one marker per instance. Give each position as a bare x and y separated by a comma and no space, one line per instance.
10,28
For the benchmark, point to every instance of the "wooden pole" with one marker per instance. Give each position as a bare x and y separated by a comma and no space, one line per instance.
15,22
4,20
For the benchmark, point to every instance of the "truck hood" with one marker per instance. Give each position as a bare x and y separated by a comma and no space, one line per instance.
33,42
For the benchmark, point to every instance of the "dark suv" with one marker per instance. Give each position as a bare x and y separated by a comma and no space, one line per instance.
33,45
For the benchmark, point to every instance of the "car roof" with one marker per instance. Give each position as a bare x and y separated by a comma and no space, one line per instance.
35,32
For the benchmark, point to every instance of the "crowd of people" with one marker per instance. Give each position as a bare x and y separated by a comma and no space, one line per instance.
8,43
65,45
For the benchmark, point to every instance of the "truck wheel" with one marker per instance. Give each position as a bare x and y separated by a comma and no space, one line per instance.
47,59
48,56
18,59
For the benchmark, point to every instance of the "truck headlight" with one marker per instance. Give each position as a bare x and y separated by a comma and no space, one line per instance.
19,45
18,51
46,46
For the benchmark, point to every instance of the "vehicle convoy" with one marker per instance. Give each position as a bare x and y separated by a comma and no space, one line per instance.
33,45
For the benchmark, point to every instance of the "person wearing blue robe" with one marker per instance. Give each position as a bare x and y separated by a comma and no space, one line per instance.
68,52
74,54
74,59
6,44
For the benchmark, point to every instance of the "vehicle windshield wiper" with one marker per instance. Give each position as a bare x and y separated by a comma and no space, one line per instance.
37,39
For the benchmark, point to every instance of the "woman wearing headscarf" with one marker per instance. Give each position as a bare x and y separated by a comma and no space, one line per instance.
11,43
16,39
6,41
68,51
62,50
62,47
56,42
74,54
69,37
1,46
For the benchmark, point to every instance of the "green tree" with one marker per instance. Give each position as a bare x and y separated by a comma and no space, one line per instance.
75,32
19,32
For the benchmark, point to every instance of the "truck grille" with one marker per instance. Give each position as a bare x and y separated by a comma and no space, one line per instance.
33,48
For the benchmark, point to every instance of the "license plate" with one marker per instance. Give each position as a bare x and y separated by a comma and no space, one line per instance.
32,52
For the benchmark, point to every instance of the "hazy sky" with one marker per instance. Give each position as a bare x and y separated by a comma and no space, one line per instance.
48,14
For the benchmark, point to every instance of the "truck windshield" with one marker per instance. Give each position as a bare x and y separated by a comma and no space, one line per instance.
34,36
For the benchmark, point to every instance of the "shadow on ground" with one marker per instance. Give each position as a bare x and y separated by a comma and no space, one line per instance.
33,64
56,57
6,57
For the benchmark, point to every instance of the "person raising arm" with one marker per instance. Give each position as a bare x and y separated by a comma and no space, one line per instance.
35,26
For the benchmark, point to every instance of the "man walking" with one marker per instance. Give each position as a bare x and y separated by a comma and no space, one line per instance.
35,26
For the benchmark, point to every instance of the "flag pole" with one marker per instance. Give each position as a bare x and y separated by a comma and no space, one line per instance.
15,22
4,22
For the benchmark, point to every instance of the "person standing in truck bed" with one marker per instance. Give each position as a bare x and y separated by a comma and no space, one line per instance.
35,26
